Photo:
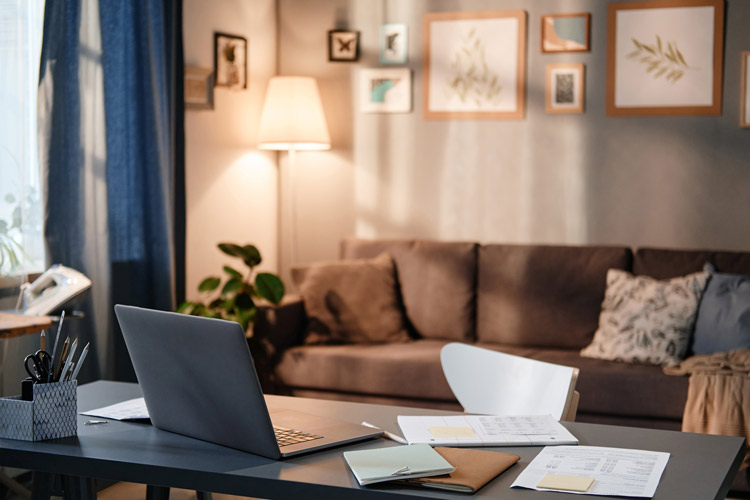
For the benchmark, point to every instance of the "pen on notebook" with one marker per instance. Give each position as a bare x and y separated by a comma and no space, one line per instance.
68,361
42,341
58,371
80,362
387,434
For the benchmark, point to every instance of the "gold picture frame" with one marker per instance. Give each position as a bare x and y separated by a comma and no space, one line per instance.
577,24
454,42
664,72
564,92
745,91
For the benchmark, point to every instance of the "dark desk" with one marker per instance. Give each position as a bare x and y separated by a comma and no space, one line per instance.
700,466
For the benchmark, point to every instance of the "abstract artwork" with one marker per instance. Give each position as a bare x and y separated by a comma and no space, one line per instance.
564,90
664,57
385,90
394,44
475,65
230,61
566,32
343,45
745,91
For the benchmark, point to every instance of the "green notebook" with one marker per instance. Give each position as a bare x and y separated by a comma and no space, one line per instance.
395,463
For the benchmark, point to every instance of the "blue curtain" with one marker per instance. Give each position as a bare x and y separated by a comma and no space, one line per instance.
112,150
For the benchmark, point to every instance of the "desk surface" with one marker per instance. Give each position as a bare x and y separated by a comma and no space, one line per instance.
700,466
15,325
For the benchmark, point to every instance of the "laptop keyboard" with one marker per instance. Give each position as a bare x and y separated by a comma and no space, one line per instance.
285,436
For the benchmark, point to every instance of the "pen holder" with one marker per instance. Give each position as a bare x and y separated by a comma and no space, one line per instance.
52,414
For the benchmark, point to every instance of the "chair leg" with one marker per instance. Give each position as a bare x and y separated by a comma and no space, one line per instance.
157,492
204,495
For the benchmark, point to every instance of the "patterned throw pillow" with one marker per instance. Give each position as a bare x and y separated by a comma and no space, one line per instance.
644,320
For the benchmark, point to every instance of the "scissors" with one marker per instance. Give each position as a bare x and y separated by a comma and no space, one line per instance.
41,366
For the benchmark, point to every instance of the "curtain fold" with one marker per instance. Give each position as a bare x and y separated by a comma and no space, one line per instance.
112,151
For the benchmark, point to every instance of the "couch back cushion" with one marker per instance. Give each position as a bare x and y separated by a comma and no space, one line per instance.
661,263
543,296
437,280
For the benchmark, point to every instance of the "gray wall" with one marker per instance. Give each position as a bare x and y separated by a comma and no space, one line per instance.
656,181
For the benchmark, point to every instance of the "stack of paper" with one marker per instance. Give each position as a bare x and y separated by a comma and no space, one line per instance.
396,462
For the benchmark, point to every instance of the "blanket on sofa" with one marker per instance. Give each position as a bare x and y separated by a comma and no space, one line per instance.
718,400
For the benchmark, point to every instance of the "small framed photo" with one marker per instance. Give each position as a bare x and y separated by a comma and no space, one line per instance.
566,32
385,90
343,45
199,88
394,44
230,61
745,91
564,92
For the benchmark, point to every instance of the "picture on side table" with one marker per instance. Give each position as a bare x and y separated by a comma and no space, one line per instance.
745,91
664,57
564,90
343,45
394,44
566,32
475,65
199,88
385,90
230,61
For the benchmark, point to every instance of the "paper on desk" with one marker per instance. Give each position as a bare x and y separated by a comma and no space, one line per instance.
616,471
132,409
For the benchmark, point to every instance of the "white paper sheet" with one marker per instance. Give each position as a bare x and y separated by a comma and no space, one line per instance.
488,430
132,409
616,471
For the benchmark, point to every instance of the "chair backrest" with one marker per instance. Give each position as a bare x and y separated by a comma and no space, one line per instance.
495,383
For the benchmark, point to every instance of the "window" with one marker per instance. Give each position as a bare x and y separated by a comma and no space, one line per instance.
21,230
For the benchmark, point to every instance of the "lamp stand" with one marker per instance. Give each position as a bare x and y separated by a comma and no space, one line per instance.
287,209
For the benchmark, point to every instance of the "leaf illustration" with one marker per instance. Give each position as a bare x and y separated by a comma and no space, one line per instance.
660,61
471,78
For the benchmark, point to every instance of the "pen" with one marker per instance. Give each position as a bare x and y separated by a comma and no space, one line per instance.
96,422
42,341
58,372
80,362
387,434
68,362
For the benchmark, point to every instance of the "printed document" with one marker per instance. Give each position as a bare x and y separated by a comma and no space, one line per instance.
616,471
132,409
485,430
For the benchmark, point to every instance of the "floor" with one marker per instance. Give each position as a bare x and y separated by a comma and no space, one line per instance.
133,491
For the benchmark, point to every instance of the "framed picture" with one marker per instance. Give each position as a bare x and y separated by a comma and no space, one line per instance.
664,57
745,91
564,91
343,45
385,90
394,44
199,88
566,32
230,61
474,65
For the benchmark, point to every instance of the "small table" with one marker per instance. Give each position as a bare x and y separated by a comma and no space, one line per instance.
15,325
700,466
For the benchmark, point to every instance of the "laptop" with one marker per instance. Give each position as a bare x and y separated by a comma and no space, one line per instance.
198,379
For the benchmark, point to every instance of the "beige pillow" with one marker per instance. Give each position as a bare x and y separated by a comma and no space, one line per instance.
351,301
644,320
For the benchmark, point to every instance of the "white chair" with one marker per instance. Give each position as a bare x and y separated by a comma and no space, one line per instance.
495,383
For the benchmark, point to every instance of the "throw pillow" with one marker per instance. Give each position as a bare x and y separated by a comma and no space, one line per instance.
723,322
351,301
644,320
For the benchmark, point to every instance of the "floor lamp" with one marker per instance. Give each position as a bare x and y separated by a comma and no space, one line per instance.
292,120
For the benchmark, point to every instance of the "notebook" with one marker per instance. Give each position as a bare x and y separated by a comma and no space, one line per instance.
474,469
485,430
396,462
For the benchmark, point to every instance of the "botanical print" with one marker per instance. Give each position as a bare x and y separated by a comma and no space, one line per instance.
385,90
470,77
660,60
393,44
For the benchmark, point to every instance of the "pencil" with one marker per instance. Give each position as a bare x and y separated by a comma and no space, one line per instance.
42,343
64,353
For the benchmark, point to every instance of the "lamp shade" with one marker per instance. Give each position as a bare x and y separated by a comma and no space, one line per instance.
292,116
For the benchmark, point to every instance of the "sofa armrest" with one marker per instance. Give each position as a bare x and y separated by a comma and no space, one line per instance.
281,326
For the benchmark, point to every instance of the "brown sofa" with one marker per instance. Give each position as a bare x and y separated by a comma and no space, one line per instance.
537,301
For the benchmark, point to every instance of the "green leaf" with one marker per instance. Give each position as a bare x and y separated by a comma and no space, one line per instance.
216,303
17,217
232,285
251,255
231,249
227,304
3,226
198,310
244,301
209,284
185,307
232,272
270,287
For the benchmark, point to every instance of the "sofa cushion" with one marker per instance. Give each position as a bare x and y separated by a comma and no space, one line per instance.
438,283
527,293
353,301
662,263
644,320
